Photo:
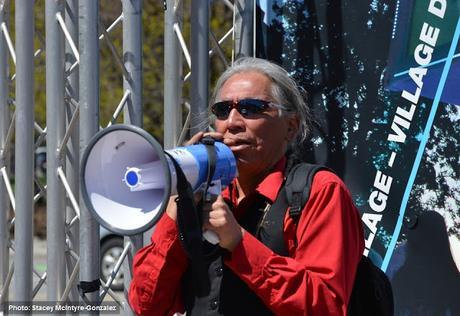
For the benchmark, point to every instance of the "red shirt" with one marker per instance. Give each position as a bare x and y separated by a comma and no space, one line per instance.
316,278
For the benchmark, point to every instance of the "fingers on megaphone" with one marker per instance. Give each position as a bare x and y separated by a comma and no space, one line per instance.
198,136
171,209
208,234
194,139
215,135
208,207
215,212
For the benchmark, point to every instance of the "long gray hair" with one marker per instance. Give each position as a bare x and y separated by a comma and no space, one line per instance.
285,90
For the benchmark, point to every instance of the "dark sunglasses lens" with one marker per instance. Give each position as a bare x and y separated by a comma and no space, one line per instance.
246,107
221,109
250,107
260,105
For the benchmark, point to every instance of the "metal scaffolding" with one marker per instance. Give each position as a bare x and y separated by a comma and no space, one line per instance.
72,49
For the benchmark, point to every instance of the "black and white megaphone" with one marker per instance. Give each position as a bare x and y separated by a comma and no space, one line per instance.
127,179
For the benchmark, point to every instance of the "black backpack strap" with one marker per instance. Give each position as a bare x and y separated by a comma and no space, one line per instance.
293,195
298,186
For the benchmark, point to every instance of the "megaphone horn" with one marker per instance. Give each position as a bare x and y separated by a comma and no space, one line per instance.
126,178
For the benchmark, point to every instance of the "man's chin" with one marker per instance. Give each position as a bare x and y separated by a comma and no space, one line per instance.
241,161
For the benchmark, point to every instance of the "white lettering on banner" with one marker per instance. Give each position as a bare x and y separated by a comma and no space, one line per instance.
402,120
416,75
438,8
378,201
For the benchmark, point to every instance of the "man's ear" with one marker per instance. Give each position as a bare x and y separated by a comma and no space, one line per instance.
293,122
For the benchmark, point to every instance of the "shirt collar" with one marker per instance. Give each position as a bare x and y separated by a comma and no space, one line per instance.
268,187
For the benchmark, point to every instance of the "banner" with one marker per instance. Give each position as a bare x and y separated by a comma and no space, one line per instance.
383,78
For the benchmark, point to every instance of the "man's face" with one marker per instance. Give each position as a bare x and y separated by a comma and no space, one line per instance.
257,142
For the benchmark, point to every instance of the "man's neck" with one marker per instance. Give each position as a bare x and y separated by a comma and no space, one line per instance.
246,185
247,181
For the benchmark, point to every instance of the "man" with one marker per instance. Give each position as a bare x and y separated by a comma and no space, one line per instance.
258,112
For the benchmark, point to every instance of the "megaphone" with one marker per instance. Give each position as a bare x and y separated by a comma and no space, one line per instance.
127,177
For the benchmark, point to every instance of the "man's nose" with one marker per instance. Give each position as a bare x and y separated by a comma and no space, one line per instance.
235,119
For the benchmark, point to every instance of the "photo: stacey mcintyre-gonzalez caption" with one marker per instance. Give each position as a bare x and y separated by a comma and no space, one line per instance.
46,307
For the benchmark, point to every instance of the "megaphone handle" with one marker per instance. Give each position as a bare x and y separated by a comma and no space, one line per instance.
213,188
211,237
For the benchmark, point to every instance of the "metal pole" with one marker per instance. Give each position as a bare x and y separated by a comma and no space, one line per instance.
89,124
4,154
55,220
200,64
24,154
72,163
172,76
132,59
244,28
172,115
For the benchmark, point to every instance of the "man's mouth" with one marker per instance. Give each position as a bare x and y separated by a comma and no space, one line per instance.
236,143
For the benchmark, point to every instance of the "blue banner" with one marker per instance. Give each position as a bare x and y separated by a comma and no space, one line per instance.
383,78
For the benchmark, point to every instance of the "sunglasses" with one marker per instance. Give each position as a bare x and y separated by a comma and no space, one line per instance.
248,108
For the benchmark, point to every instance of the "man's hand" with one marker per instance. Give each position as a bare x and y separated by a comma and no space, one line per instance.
198,136
219,218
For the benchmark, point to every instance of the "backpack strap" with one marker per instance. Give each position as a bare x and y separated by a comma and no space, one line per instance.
294,195
298,186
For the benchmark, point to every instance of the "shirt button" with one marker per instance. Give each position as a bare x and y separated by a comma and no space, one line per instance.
214,304
219,271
